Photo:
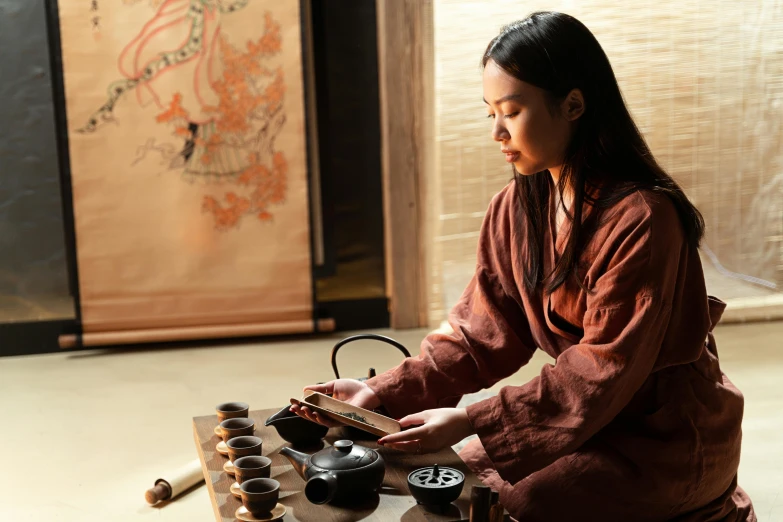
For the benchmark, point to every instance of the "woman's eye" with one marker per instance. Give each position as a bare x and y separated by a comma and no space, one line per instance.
490,115
511,115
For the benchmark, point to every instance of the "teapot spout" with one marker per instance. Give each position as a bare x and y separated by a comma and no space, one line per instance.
321,488
298,460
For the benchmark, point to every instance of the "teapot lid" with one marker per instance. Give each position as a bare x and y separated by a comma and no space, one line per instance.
344,455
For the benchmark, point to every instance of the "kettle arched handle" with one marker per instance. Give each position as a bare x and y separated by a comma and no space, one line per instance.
374,337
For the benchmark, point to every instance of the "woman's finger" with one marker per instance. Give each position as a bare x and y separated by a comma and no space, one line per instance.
326,388
326,421
408,447
298,410
403,436
313,416
416,419
316,417
309,414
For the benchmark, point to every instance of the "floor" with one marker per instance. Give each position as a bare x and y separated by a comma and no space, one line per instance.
86,433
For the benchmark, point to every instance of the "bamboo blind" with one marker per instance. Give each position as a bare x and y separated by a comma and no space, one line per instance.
704,81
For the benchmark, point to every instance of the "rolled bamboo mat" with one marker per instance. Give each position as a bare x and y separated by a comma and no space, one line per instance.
193,333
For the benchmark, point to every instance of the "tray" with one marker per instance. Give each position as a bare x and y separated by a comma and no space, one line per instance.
393,502
376,424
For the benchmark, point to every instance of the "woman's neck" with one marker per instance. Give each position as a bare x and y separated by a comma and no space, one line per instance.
568,196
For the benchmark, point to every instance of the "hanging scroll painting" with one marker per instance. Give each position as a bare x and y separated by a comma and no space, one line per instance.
188,165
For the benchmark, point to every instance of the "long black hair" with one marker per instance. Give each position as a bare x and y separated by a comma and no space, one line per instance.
557,53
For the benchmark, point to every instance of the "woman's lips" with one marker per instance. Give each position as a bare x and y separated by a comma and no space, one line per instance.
511,155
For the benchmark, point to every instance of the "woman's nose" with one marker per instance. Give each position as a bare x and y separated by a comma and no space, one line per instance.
499,131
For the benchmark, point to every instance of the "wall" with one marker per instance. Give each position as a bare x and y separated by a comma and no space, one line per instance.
346,70
33,276
704,81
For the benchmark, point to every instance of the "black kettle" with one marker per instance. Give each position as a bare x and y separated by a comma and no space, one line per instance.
375,337
350,431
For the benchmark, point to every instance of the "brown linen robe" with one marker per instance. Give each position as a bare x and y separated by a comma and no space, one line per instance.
635,420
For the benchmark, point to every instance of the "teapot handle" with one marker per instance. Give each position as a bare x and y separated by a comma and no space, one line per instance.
374,337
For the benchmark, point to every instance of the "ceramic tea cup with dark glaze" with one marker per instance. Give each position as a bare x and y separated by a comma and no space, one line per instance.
231,410
236,427
243,446
247,468
260,495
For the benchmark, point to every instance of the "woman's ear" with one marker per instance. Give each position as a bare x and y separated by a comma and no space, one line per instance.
573,105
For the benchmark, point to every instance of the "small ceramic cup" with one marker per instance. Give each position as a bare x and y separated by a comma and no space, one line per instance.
236,427
247,468
260,495
231,410
243,446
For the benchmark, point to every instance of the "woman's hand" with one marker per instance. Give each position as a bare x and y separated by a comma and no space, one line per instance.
351,391
435,430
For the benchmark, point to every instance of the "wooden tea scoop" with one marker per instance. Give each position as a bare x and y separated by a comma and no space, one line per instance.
345,413
173,484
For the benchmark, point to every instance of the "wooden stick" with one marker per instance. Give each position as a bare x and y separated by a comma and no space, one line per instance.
480,497
193,332
406,82
175,483
496,510
161,491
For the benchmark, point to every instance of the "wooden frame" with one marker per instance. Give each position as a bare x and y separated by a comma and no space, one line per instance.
406,81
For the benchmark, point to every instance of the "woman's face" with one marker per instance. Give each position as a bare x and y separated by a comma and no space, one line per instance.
532,138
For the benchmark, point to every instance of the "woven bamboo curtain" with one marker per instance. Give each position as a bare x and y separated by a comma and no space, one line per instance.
704,81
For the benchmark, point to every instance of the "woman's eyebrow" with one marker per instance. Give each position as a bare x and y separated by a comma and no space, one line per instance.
505,98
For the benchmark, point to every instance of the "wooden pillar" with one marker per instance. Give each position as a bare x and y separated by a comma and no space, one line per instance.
407,85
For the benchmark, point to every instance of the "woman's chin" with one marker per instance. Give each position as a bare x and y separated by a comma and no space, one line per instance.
525,170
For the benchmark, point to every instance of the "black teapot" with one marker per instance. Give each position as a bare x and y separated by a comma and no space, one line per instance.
342,470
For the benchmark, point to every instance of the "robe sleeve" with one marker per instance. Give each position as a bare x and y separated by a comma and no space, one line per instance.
526,428
491,338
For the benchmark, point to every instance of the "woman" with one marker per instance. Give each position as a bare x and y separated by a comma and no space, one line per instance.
590,254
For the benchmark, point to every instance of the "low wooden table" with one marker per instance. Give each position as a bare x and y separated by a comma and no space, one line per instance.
394,501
